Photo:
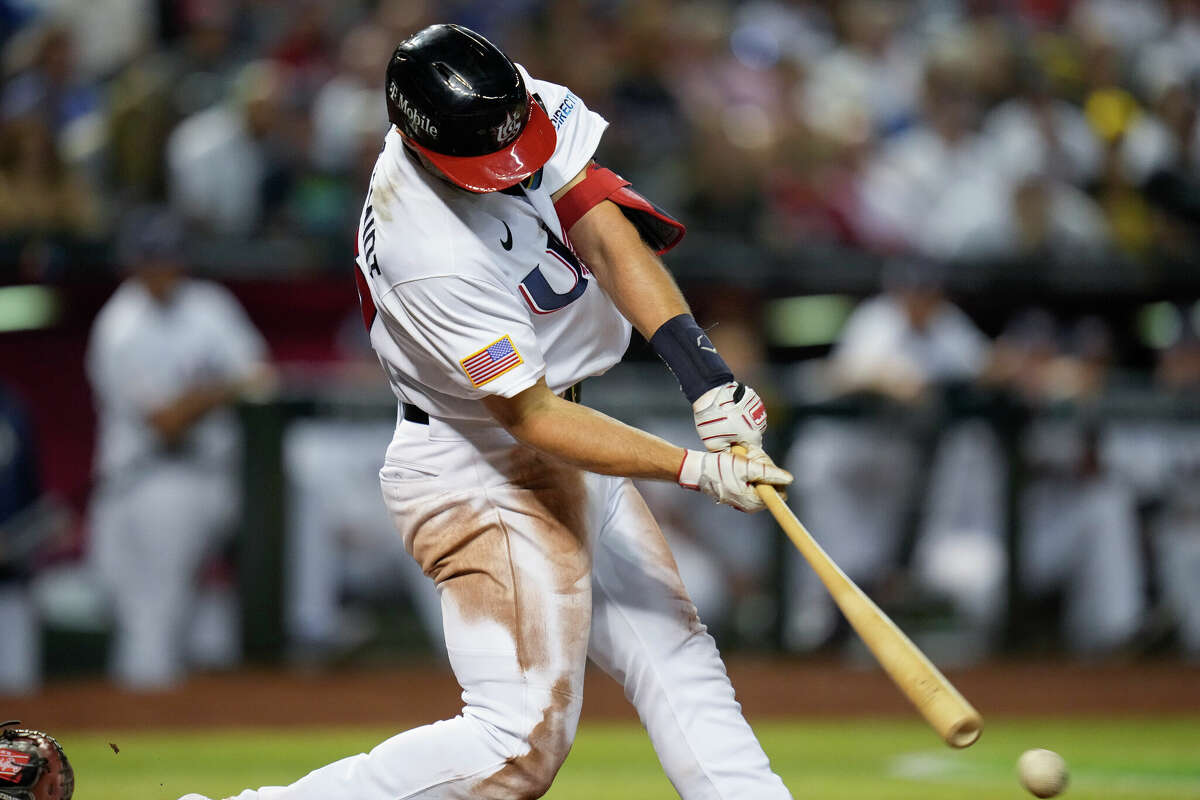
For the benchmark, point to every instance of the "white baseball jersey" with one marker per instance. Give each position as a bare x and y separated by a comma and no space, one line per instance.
143,354
467,295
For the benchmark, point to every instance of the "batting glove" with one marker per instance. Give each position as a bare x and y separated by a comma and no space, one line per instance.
731,414
730,479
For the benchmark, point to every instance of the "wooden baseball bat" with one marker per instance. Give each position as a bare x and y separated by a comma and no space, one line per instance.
947,711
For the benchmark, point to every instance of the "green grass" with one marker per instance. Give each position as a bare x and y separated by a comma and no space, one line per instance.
1145,759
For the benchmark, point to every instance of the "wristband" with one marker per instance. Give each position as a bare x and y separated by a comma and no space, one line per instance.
685,348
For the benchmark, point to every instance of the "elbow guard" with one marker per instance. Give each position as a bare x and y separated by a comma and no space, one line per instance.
658,229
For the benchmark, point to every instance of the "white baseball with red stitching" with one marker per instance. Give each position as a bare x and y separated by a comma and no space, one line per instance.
731,414
730,479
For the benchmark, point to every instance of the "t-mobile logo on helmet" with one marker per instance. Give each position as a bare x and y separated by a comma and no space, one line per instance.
416,119
509,129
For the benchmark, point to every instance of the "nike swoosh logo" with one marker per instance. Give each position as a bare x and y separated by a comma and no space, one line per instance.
506,242
700,344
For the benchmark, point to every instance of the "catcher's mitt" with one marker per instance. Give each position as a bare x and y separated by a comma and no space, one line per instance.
33,766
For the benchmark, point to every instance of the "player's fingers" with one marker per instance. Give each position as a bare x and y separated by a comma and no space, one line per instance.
754,452
776,476
765,471
748,504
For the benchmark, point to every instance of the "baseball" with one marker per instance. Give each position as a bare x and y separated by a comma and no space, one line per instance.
1042,772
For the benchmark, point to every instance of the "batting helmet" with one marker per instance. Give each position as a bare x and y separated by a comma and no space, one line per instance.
461,103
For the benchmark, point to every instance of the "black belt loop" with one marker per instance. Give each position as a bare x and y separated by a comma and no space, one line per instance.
413,414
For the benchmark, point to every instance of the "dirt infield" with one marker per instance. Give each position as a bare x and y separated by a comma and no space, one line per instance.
766,688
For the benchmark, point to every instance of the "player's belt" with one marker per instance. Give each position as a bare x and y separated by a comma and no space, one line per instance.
413,414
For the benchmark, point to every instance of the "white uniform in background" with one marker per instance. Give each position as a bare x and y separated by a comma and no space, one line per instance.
158,512
1160,461
1080,535
856,478
471,295
341,538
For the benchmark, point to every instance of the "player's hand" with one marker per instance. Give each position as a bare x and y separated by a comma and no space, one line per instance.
729,478
731,414
259,384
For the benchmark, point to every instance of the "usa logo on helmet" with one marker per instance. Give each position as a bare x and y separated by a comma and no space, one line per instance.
508,131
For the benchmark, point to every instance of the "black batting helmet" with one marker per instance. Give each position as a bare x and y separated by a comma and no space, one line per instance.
462,103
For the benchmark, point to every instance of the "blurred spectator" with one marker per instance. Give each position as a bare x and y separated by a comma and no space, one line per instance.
140,120
306,48
1166,138
875,66
1111,110
47,81
649,126
856,478
204,63
166,358
1036,133
107,32
21,667
1078,523
1043,220
229,167
350,103
39,194
1130,24
934,185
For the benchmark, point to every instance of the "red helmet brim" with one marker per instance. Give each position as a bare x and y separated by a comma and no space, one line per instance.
503,168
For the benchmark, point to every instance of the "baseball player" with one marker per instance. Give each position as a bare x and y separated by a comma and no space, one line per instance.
166,358
497,267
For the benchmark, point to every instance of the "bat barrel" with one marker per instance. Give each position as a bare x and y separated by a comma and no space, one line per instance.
964,732
946,711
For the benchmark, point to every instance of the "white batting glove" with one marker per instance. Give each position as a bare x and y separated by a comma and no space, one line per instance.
728,478
731,414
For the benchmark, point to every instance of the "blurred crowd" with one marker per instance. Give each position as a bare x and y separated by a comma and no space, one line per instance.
970,130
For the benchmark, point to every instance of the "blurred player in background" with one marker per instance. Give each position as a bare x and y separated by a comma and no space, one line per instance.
167,357
342,546
859,482
20,669
1175,448
1079,528
513,497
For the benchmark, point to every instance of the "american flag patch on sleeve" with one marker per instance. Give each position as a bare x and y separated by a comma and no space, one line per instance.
492,361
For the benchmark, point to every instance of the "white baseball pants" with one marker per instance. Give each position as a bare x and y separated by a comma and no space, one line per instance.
539,567
150,536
